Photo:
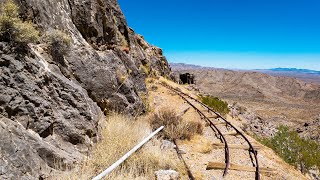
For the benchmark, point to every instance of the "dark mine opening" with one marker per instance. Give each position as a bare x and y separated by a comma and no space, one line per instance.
187,78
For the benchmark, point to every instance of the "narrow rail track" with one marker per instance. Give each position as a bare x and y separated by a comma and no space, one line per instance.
192,102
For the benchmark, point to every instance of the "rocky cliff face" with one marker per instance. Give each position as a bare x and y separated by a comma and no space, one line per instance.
49,109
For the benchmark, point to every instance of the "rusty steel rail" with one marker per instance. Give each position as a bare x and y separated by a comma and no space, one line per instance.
185,97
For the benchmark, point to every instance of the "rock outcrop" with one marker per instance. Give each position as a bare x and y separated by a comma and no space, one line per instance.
49,109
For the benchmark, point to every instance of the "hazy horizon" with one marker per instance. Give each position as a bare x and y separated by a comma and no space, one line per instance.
243,69
246,34
245,61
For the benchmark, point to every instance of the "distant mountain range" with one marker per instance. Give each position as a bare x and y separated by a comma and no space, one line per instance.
292,70
306,75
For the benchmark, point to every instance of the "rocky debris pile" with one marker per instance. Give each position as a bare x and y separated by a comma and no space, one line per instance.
310,130
252,123
50,108
314,174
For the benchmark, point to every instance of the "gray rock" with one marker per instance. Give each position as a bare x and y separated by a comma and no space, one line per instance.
167,145
314,173
167,175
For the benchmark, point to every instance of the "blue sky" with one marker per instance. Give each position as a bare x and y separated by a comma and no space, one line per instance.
237,34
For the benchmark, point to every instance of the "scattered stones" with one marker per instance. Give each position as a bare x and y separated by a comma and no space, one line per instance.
314,173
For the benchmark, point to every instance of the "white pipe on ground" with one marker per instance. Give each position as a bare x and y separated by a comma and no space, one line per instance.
123,158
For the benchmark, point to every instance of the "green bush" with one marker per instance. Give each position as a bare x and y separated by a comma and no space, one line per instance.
216,104
59,43
301,153
13,29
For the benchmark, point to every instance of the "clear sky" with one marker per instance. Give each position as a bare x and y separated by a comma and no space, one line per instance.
237,34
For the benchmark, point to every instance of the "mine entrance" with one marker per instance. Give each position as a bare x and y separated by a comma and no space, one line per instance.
187,78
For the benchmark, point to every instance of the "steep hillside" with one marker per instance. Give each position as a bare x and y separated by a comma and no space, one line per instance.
50,104
275,100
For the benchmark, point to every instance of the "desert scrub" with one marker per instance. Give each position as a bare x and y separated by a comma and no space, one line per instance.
175,126
301,153
12,28
59,44
145,68
216,104
120,135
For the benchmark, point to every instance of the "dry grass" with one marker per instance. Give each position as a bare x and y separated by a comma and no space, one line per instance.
201,144
175,126
12,28
119,136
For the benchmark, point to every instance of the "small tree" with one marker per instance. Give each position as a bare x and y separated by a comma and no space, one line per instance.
12,28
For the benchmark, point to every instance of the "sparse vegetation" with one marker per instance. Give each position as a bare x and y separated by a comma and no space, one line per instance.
144,98
301,153
145,69
201,144
121,76
12,28
119,136
175,126
216,104
59,43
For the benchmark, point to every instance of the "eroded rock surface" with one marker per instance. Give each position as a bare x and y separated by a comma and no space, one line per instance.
50,109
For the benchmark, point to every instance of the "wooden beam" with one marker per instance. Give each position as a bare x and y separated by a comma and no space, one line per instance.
235,146
230,133
218,165
216,124
213,116
219,123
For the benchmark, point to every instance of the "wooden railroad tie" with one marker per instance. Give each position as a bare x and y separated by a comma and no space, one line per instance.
217,123
230,133
235,146
212,116
218,165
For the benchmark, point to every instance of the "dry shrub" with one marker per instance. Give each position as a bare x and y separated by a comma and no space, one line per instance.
12,28
175,126
60,44
120,135
201,144
145,69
